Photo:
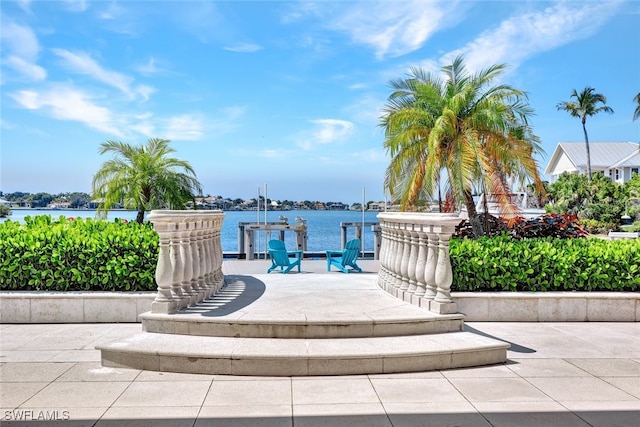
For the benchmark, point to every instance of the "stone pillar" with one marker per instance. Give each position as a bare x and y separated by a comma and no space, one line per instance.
249,240
377,243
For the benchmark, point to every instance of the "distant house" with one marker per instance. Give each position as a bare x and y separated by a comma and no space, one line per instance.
337,206
59,205
616,160
377,206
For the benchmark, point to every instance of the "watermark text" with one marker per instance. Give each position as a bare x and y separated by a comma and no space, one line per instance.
36,415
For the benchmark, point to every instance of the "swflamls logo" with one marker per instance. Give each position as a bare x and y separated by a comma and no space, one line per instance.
31,415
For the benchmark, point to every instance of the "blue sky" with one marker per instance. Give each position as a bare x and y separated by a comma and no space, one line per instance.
286,94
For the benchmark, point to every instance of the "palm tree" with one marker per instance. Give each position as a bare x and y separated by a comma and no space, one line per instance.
586,104
476,134
636,113
144,177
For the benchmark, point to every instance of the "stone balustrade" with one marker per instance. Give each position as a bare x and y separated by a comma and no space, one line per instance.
189,267
414,258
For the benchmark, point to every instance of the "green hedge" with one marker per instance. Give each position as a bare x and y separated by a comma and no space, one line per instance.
83,255
505,264
77,255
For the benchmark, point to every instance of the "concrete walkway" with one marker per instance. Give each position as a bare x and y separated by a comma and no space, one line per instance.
558,374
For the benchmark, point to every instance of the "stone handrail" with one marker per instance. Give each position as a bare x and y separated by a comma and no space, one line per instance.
189,267
414,258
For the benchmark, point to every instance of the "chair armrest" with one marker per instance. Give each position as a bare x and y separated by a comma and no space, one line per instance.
297,254
334,253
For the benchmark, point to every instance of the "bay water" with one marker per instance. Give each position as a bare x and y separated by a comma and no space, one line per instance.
323,227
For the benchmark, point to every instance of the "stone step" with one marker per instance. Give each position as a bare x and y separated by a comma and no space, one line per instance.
246,307
302,357
341,325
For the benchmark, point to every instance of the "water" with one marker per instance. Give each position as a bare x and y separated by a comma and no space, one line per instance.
323,227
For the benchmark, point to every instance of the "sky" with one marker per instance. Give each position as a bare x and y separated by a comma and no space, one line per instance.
286,95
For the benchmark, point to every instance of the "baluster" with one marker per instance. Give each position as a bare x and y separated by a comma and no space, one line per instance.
397,258
201,264
404,265
421,262
164,301
202,253
383,274
413,258
176,266
209,257
217,244
443,303
187,263
430,269
195,261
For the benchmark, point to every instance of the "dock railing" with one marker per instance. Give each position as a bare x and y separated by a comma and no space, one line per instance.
189,265
414,258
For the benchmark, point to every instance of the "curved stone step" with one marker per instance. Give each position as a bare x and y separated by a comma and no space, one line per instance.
302,357
354,325
336,307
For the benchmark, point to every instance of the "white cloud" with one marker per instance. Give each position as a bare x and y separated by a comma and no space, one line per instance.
244,48
186,127
145,91
83,64
226,120
21,47
27,69
522,36
326,131
112,11
25,5
145,128
395,28
332,130
7,125
365,110
150,67
76,5
66,103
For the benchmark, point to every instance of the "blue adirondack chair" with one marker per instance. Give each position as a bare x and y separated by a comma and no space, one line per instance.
282,258
345,258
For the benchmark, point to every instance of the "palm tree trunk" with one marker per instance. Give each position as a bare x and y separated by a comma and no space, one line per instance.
586,141
140,217
474,219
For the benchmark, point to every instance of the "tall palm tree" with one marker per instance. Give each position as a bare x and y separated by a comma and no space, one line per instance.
585,104
459,126
144,176
636,113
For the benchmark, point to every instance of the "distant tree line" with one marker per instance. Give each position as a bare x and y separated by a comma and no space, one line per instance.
79,200
42,200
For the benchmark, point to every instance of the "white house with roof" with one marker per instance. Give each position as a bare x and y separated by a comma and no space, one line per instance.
616,160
